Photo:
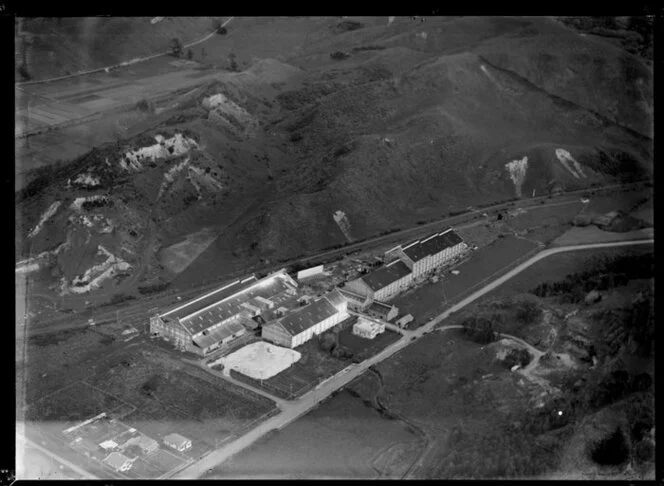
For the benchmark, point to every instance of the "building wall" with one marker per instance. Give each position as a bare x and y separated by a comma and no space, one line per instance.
359,287
277,336
318,328
394,288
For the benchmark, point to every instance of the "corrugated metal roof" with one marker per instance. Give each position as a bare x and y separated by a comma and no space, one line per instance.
336,298
218,334
386,275
232,305
302,319
432,245
184,310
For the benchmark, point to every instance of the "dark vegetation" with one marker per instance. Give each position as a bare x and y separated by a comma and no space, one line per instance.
611,451
605,273
153,288
519,357
482,329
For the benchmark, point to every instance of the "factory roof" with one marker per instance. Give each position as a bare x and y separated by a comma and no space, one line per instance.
232,304
433,244
335,298
302,319
184,310
386,275
208,338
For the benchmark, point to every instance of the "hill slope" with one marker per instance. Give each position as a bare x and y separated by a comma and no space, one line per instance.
409,121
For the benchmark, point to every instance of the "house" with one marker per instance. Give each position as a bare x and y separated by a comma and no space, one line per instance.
425,256
384,283
356,302
177,442
404,321
300,325
118,461
382,311
368,329
217,318
108,445
146,443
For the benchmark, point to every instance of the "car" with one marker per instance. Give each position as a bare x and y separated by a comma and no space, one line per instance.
455,272
585,200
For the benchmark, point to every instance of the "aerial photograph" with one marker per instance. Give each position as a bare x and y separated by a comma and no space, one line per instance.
414,247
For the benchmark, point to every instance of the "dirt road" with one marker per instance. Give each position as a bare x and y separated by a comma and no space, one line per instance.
299,407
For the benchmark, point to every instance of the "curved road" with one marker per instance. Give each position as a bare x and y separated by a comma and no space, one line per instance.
122,64
301,406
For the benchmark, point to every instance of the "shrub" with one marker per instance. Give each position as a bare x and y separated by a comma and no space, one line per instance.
612,451
519,357
328,342
338,55
644,451
528,312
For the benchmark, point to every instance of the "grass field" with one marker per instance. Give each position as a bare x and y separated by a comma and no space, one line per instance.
557,267
340,439
592,234
177,257
172,397
313,367
430,299
545,216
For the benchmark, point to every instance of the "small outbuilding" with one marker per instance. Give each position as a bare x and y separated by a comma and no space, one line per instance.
178,442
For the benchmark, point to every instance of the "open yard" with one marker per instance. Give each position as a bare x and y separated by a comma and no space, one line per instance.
364,348
342,438
313,367
430,299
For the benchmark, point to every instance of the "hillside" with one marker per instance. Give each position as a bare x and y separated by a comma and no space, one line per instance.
67,45
410,121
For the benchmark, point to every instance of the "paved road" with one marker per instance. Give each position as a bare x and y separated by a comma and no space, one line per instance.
299,407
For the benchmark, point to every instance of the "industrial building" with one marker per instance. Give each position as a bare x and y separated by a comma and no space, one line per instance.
356,302
300,325
427,255
384,283
404,321
213,320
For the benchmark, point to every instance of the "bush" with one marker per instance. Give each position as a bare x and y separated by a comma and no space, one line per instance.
519,357
612,451
328,342
338,55
23,72
528,312
480,330
644,451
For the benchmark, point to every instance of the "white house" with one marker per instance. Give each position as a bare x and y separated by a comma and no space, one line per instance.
178,442
118,461
368,329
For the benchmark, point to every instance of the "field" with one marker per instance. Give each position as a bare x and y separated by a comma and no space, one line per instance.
464,399
430,299
592,234
313,367
177,257
546,216
34,464
74,404
260,360
342,438
366,348
557,267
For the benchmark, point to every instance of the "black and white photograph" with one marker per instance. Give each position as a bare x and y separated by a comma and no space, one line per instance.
358,248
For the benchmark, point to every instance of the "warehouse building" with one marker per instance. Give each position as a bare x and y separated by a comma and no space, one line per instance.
356,302
429,254
384,283
215,319
300,325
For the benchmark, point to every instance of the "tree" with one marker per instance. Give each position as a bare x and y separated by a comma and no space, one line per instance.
190,54
203,54
232,62
527,312
23,72
612,451
176,47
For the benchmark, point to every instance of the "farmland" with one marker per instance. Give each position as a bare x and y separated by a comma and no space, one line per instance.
342,438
